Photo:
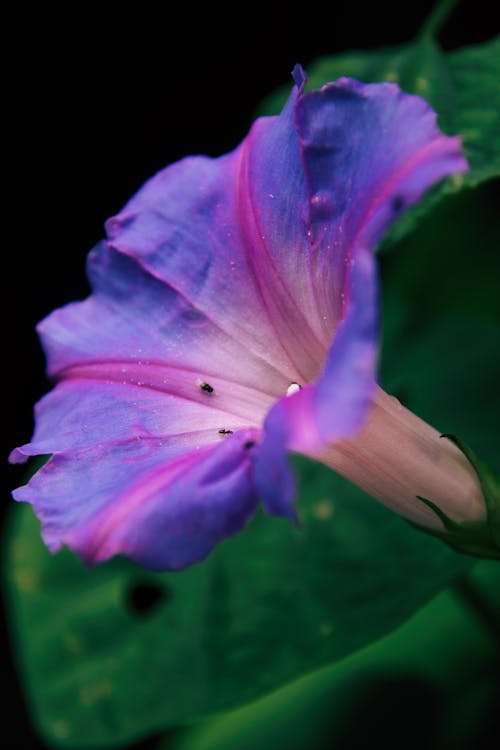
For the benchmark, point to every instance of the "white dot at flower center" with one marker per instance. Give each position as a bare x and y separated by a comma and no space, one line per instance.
293,388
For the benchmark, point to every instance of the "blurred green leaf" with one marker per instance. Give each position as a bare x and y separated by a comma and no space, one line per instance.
266,607
463,86
442,657
441,339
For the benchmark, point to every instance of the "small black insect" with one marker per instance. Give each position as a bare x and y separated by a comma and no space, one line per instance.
205,386
223,431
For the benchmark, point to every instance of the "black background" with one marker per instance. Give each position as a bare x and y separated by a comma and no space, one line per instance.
93,104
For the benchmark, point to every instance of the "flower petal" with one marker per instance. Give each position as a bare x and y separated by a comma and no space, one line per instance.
336,406
144,498
370,151
184,227
133,317
81,413
344,391
273,198
274,479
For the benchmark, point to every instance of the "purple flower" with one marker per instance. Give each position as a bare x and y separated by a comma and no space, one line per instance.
233,319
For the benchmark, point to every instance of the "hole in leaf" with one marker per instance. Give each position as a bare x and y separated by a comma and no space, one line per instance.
144,597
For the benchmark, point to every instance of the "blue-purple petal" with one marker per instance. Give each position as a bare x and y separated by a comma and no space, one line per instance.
344,391
274,478
140,497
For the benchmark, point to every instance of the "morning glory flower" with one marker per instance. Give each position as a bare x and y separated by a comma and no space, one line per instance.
234,319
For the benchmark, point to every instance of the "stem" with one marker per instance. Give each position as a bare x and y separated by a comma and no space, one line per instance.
475,599
437,17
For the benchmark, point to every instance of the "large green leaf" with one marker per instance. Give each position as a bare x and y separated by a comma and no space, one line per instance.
463,86
442,657
266,607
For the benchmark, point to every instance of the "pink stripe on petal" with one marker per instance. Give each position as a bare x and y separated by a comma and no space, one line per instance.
134,316
78,414
162,503
99,544
226,397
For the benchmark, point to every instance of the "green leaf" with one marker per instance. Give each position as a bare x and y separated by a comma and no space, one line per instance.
441,340
266,607
463,86
475,76
442,650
